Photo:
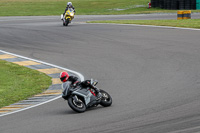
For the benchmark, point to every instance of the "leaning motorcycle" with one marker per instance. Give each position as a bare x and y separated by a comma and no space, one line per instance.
67,17
80,99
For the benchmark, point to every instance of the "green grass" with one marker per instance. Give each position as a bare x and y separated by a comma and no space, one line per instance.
18,83
189,23
90,7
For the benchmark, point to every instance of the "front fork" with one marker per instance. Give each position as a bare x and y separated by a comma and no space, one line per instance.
75,98
92,91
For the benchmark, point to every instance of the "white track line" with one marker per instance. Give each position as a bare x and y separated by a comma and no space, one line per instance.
77,73
152,26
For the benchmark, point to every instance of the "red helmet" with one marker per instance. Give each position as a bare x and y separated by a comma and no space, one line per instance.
64,76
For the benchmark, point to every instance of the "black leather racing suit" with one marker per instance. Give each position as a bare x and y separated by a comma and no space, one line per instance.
75,82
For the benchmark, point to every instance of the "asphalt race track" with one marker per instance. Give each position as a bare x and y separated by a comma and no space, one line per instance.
152,74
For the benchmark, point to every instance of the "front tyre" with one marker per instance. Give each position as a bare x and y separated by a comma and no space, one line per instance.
77,105
67,22
106,99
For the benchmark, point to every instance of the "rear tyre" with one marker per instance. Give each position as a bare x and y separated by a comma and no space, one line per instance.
77,106
106,99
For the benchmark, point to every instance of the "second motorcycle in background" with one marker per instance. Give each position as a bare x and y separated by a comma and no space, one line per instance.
67,17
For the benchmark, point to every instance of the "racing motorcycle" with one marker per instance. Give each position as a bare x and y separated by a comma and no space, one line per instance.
67,17
80,99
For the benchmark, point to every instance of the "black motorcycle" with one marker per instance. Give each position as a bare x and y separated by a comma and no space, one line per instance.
80,99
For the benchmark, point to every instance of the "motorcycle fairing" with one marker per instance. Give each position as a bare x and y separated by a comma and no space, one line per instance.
69,14
86,94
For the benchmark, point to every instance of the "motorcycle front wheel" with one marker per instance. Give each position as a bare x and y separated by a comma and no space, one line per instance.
66,22
76,105
106,99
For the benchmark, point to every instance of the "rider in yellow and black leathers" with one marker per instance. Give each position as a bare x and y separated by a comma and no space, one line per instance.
69,5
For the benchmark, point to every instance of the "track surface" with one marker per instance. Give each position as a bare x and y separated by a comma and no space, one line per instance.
153,75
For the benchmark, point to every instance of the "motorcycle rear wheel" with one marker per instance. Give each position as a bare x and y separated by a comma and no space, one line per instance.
106,100
77,106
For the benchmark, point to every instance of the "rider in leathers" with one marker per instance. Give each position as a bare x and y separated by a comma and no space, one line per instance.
69,5
75,82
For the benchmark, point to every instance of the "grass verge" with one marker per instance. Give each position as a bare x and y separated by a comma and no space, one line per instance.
18,83
187,23
83,7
